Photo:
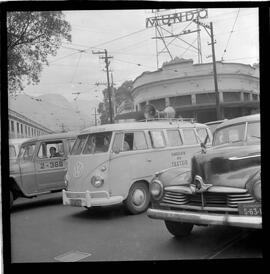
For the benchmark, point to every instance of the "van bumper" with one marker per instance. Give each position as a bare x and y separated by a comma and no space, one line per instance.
89,199
206,218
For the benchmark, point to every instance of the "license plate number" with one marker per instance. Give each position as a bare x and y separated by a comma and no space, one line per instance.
250,210
76,202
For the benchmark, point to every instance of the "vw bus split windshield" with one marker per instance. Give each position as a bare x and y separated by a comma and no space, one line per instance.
92,143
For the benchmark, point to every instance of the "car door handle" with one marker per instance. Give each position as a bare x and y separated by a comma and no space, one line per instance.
149,160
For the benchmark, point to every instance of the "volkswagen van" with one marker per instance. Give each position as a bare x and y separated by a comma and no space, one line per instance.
114,163
222,186
35,171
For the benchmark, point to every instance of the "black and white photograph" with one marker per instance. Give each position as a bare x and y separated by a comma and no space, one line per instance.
134,134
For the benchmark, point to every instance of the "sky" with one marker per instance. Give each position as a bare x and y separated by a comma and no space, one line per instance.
124,35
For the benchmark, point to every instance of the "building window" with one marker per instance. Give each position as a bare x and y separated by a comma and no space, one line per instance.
231,96
25,130
18,128
159,104
246,96
32,130
180,101
21,128
255,97
12,126
205,98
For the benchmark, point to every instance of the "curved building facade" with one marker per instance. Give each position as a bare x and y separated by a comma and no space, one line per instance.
189,89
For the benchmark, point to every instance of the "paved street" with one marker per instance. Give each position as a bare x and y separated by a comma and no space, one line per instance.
43,229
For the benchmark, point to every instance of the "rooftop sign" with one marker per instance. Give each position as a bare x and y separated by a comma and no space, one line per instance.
173,18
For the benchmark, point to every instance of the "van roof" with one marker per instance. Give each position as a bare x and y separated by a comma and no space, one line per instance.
140,125
242,119
53,136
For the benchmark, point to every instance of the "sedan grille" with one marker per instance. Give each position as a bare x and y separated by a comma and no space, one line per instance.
207,199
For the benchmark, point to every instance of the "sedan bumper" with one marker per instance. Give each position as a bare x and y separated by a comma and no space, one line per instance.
202,218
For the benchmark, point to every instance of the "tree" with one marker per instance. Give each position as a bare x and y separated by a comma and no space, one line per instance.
31,38
123,101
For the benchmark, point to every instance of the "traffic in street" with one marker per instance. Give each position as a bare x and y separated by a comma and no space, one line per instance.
43,230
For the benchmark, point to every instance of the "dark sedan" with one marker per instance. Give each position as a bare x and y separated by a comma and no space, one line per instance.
223,186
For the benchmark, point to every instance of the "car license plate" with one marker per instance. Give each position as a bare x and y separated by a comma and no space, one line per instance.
250,209
74,202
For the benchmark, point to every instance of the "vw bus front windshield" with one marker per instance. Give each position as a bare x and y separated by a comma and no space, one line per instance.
92,143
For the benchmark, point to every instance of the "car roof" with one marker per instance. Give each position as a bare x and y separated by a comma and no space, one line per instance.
53,136
140,125
242,119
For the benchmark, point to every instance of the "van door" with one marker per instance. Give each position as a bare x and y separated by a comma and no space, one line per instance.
27,168
129,161
50,165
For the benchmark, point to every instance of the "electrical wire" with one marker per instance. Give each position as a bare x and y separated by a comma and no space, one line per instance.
225,50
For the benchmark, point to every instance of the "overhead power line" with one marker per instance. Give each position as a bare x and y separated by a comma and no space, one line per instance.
225,50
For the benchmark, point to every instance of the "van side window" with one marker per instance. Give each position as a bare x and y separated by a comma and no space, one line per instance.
174,138
134,141
202,133
189,136
51,149
157,138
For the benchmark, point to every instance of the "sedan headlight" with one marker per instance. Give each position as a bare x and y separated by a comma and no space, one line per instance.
97,181
257,191
156,189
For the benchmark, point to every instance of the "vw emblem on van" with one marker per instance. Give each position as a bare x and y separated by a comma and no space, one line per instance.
78,169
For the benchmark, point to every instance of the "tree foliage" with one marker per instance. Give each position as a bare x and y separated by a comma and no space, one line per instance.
31,38
123,101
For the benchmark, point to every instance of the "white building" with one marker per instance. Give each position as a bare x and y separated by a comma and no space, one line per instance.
189,88
22,127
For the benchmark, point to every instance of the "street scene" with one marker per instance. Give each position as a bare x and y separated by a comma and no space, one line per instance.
134,135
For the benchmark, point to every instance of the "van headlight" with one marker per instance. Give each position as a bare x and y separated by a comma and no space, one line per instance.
156,189
97,181
257,191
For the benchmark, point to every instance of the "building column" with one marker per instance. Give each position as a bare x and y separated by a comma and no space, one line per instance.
193,99
167,102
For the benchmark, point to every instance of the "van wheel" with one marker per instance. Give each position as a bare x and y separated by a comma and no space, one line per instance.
179,229
138,198
11,198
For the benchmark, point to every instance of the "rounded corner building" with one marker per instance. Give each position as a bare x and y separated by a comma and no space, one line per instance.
189,89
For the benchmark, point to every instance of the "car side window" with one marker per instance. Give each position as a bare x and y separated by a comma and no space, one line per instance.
189,136
118,142
254,132
157,138
27,151
51,149
174,138
12,151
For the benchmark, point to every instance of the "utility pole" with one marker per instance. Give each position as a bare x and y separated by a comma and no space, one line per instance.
215,73
211,34
107,63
